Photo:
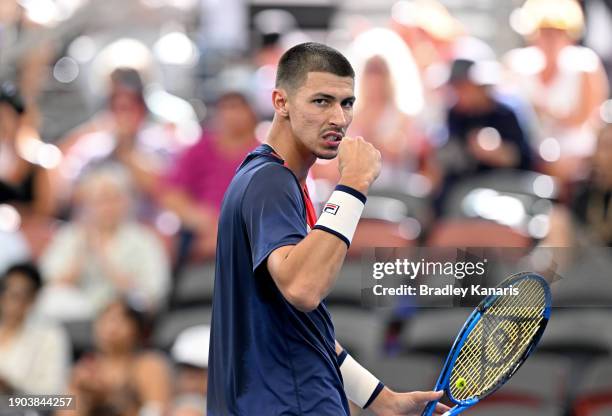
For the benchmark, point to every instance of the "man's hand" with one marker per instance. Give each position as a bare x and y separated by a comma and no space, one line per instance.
359,163
390,403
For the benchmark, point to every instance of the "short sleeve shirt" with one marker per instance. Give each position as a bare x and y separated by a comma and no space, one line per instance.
266,356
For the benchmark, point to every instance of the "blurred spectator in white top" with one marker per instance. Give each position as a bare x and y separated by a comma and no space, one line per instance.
430,31
564,82
389,95
35,355
103,253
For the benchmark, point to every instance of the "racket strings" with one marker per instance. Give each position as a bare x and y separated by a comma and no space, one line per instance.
497,342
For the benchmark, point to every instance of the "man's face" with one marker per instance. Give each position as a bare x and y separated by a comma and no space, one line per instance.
320,111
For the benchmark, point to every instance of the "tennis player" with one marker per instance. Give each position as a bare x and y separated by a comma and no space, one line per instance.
273,349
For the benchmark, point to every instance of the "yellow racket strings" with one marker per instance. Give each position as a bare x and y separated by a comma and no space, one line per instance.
498,340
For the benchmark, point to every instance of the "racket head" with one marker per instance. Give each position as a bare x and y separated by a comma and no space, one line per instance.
496,339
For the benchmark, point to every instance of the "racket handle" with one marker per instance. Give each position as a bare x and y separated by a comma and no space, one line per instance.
429,409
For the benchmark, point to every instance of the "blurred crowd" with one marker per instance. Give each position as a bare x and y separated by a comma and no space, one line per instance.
99,223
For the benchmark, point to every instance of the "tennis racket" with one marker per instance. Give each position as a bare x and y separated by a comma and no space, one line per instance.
494,342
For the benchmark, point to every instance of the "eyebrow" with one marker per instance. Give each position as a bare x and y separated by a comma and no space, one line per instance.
331,97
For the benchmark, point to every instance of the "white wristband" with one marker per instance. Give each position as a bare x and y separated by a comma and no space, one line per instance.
341,213
360,386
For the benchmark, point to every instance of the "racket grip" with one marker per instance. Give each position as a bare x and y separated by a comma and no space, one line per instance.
429,409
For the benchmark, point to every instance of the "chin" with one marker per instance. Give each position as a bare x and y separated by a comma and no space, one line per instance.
327,154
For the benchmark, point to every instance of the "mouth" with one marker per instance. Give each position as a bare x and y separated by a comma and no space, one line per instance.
333,138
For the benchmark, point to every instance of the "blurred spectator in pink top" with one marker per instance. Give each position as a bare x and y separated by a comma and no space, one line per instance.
195,185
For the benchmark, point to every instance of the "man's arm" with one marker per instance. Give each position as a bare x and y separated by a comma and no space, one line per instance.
306,272
385,402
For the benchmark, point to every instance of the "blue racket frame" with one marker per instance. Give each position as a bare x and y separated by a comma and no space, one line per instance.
443,379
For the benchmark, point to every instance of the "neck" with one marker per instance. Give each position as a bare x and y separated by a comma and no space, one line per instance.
296,156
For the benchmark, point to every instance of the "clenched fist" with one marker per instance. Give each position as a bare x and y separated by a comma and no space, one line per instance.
359,163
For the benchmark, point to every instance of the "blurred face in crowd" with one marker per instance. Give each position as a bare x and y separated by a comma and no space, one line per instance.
235,117
128,110
105,203
376,80
320,111
470,97
116,330
9,122
602,159
551,41
16,297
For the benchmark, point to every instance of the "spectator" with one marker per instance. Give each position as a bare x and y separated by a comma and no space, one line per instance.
483,133
195,185
103,253
27,69
35,357
379,119
119,377
565,83
588,221
123,134
190,353
25,184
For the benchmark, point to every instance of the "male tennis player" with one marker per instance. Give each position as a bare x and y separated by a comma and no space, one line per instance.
273,350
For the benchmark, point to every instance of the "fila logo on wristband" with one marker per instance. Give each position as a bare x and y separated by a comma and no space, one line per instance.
331,208
342,222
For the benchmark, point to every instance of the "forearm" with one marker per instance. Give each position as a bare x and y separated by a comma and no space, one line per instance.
306,272
361,386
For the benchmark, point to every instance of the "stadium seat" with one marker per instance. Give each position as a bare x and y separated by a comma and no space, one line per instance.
359,331
407,373
433,331
594,395
378,233
587,282
80,334
171,324
475,233
524,185
194,284
580,331
508,409
542,379
348,287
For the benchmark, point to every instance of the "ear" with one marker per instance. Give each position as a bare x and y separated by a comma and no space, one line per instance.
280,102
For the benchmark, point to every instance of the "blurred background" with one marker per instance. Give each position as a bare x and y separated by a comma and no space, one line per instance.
122,123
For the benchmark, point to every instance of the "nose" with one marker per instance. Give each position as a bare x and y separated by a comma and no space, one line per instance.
339,116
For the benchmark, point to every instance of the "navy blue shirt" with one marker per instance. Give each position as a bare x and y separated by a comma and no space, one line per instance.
266,356
502,118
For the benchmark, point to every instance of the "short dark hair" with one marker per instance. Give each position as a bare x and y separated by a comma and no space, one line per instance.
27,270
297,62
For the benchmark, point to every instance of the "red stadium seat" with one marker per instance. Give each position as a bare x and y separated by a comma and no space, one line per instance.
475,233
